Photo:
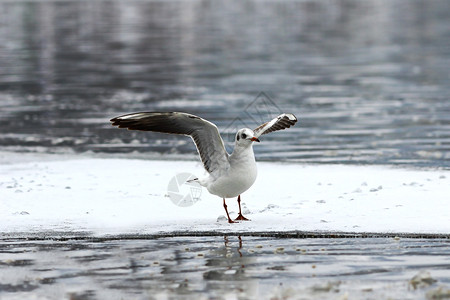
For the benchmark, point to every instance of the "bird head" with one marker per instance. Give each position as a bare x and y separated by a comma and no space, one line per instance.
245,136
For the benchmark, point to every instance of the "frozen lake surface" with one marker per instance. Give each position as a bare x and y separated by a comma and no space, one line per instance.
105,195
225,267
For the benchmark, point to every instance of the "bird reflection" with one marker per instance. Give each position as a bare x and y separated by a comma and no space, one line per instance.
228,263
227,241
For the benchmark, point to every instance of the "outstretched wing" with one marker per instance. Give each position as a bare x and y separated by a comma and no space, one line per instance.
281,122
204,133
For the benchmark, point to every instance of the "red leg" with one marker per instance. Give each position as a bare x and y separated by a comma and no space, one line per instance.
226,210
240,216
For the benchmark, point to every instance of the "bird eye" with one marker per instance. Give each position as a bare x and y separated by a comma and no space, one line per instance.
244,136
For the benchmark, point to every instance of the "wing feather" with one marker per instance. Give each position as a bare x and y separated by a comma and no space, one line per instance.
204,133
281,122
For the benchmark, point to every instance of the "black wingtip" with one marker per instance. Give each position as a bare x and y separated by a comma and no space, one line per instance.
115,122
288,121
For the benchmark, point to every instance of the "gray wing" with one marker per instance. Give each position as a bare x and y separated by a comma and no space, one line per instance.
281,122
204,133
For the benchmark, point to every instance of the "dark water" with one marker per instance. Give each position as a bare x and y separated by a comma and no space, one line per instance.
369,80
225,268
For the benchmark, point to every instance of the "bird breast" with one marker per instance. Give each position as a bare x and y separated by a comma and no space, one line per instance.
240,176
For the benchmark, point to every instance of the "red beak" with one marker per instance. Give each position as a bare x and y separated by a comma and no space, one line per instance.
254,139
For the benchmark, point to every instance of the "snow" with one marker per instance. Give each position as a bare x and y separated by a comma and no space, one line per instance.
110,195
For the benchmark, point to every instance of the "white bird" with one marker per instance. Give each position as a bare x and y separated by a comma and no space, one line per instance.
228,175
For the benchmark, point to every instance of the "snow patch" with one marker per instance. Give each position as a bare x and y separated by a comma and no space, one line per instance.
103,196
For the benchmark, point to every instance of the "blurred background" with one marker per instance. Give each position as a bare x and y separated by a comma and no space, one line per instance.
368,80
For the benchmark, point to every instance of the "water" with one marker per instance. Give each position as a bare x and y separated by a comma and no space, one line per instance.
368,80
224,268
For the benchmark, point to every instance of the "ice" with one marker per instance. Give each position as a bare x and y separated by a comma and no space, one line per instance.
82,193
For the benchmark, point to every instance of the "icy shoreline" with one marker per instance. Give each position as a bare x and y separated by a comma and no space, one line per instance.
103,196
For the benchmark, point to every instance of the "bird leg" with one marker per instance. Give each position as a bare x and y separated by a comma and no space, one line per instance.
226,210
240,216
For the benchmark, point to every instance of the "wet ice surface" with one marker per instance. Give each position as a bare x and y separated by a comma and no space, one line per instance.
225,268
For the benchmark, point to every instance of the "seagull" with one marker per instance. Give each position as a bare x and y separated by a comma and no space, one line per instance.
229,175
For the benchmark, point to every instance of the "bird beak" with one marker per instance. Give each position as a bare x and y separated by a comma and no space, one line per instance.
254,139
